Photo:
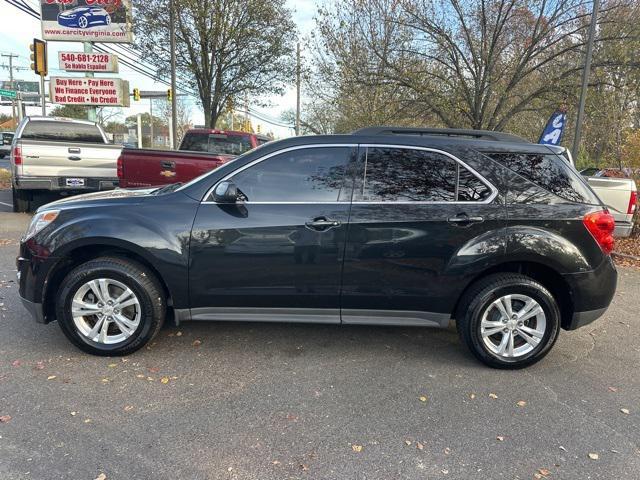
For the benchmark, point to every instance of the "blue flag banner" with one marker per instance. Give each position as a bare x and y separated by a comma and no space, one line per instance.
552,133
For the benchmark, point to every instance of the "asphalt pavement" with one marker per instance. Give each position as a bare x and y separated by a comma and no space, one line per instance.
275,401
4,162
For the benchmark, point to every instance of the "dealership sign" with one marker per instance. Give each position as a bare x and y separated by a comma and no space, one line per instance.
88,62
87,20
103,92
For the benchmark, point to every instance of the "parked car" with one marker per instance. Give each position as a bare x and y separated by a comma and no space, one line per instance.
5,143
402,227
145,167
84,17
60,155
620,196
200,151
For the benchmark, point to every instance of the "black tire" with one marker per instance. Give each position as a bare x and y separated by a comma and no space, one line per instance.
135,276
21,200
478,298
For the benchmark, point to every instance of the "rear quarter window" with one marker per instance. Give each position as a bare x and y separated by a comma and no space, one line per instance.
550,172
56,131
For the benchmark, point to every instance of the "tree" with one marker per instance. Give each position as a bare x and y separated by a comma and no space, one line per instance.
184,119
227,50
70,111
488,64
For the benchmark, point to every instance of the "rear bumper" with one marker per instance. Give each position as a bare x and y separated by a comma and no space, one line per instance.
35,309
623,229
60,183
592,293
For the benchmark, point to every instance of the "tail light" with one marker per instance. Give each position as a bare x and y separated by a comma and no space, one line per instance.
17,155
601,225
633,203
120,168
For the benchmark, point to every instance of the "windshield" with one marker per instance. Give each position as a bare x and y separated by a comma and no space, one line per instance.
220,143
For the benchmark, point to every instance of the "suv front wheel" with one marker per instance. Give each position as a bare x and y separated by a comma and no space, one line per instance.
110,306
508,320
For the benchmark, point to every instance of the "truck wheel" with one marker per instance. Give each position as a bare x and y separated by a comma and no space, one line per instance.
110,306
508,320
21,200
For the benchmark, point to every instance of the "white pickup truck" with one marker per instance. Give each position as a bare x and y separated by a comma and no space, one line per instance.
620,195
60,155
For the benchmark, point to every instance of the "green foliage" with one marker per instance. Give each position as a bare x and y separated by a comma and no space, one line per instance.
70,111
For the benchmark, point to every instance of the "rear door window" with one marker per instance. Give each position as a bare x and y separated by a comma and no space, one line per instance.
412,175
60,131
549,172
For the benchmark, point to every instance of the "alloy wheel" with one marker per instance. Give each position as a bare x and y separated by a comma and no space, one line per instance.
105,311
513,325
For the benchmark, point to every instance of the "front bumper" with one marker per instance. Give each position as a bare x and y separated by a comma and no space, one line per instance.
91,184
33,274
592,293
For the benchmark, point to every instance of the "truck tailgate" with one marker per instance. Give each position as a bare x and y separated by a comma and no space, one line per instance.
614,192
50,159
147,168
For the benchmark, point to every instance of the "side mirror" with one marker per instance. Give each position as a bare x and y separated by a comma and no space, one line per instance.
226,192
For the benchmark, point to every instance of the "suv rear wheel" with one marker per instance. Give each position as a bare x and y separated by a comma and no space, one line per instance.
110,306
508,320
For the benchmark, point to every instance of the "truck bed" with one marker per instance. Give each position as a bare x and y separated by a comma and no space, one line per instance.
152,167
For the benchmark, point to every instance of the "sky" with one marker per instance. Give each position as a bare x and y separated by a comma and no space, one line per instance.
19,29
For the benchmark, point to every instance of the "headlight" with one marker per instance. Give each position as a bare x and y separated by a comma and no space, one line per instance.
40,221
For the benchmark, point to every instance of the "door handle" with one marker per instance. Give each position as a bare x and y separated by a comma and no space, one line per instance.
464,220
168,165
74,157
74,150
322,224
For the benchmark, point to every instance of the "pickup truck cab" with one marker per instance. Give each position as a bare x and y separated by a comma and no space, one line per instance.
60,155
201,150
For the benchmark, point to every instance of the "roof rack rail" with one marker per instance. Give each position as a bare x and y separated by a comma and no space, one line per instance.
442,132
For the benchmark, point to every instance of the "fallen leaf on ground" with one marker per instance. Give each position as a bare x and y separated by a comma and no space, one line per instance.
87,420
419,446
102,476
51,377
493,395
304,467
544,472
594,456
112,365
275,462
423,398
521,403
196,343
164,379
444,471
613,389
178,334
447,451
562,448
73,414
5,418
16,363
500,438
140,375
105,380
408,442
154,369
472,396
356,448
625,411
128,408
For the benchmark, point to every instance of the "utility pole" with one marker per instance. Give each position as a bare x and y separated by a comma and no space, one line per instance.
174,94
13,103
585,77
151,122
298,89
91,111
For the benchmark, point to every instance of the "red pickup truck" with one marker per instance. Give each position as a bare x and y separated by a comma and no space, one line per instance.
201,150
